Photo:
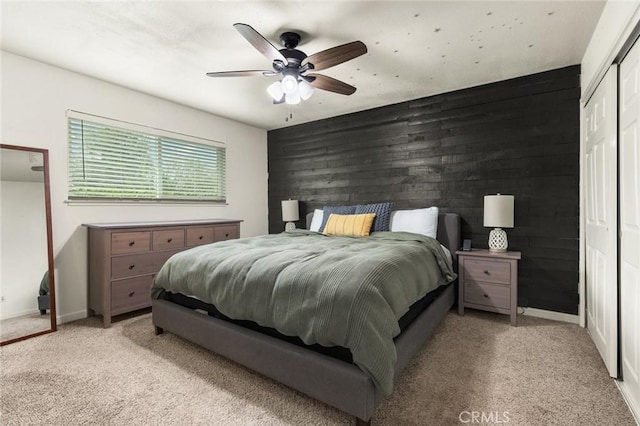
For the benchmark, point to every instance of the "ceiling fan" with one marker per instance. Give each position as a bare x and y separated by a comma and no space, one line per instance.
293,65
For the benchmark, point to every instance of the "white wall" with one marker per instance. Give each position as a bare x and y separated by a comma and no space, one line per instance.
23,246
35,97
615,25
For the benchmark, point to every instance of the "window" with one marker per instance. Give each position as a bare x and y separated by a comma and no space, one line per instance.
119,161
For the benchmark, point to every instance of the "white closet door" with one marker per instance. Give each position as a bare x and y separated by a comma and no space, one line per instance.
600,174
630,225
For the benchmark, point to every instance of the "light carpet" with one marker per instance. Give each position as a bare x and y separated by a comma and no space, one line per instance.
24,325
539,373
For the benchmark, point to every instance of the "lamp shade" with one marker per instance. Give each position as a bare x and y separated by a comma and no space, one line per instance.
290,212
276,91
305,90
498,211
289,84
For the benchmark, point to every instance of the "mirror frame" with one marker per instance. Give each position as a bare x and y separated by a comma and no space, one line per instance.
47,206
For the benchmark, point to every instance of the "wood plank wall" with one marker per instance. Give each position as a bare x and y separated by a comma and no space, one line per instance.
519,137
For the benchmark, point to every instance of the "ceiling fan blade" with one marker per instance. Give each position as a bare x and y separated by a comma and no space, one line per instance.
329,83
336,55
260,43
248,73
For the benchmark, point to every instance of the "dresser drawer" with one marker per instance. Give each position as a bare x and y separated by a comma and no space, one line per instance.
229,232
130,242
491,271
130,294
168,239
138,264
485,294
199,236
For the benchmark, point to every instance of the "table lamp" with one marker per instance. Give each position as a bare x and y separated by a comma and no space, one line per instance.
290,214
498,213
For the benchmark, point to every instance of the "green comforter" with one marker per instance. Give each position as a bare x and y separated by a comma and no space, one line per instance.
335,291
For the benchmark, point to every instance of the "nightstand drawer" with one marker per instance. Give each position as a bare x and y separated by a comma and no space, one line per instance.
131,294
491,271
169,239
485,294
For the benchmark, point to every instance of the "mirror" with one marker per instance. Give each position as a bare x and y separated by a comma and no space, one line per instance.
27,290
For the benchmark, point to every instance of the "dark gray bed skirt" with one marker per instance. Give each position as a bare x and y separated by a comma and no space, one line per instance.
337,383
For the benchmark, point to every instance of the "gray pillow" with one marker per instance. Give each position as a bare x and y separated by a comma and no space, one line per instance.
383,214
327,210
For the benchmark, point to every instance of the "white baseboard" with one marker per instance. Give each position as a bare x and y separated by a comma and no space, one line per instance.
62,319
633,405
551,315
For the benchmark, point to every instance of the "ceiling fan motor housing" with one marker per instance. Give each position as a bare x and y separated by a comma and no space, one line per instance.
294,56
290,39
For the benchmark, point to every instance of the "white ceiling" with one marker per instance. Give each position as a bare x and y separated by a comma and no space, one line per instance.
415,48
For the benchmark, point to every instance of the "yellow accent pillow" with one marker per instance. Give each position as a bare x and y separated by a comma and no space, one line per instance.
349,225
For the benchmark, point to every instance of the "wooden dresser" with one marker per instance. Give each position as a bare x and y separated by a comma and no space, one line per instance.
124,258
488,281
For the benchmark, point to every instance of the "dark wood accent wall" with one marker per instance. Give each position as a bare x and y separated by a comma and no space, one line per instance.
520,137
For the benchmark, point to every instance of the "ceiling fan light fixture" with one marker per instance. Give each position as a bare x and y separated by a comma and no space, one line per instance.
276,91
289,85
305,90
292,98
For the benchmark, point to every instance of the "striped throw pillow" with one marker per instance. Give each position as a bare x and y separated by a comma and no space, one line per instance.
352,225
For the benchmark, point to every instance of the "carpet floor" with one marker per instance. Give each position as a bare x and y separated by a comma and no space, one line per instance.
24,325
539,373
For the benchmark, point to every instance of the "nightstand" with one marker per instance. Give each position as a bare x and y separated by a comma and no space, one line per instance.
488,281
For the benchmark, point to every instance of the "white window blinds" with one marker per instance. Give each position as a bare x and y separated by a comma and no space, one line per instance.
109,162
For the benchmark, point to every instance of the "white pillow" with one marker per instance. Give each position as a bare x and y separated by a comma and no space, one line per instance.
316,221
419,221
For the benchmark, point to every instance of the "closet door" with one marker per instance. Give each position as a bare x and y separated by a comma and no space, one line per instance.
629,165
601,242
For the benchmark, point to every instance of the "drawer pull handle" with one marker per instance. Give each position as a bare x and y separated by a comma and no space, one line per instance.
226,235
200,237
131,243
132,293
169,240
487,273
132,266
486,295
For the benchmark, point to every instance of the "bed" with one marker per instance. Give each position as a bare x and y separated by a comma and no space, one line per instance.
43,294
350,385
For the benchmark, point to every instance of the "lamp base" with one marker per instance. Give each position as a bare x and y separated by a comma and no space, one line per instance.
290,226
498,241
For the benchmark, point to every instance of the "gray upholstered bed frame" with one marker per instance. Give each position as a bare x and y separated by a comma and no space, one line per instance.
337,383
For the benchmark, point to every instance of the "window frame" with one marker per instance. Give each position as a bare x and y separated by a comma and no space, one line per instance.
162,137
